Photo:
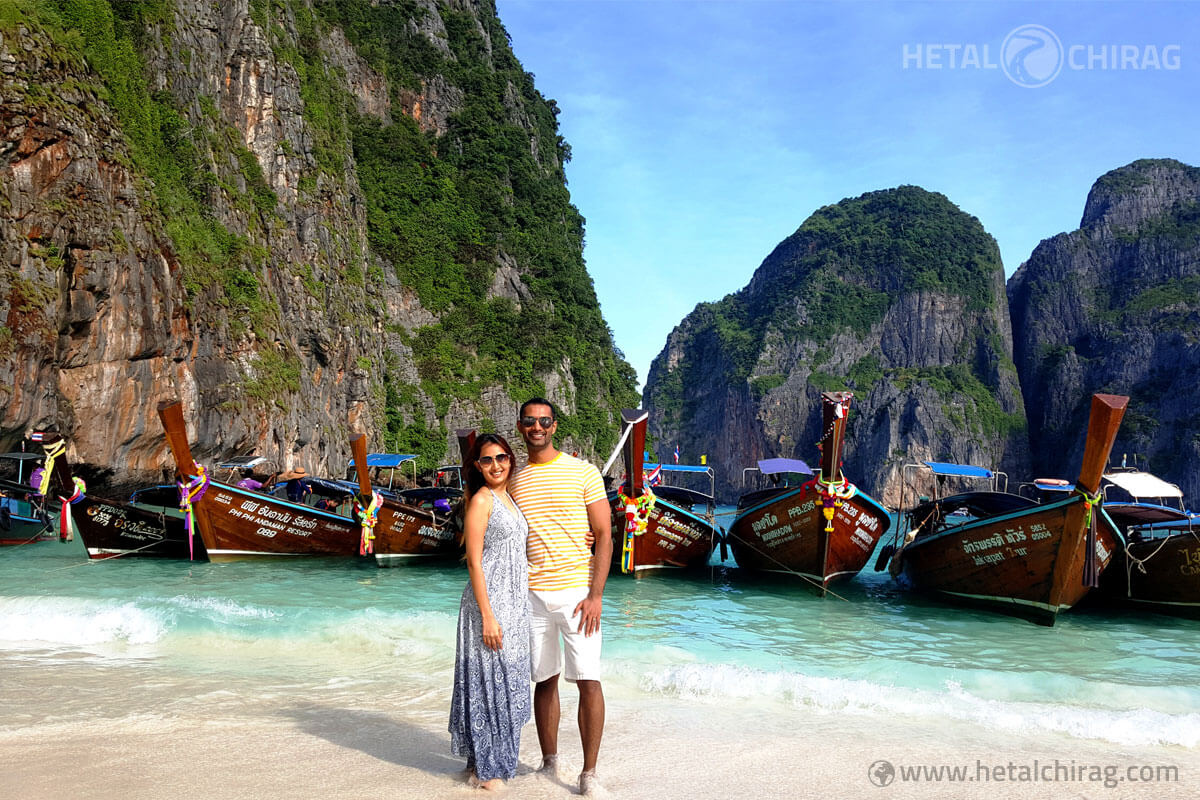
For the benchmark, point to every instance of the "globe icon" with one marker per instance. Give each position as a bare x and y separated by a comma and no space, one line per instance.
1031,55
881,773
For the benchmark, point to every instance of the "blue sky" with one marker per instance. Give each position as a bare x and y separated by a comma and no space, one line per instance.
704,133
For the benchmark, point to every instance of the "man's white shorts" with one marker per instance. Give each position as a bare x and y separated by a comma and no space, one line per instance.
553,617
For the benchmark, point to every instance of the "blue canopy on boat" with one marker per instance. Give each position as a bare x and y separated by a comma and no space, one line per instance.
958,470
676,467
385,459
775,466
1053,485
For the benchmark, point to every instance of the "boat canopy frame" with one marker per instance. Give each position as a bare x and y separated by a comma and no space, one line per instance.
778,466
694,469
683,494
1140,484
997,480
391,462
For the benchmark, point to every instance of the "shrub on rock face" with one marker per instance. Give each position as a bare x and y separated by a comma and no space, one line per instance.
1114,307
896,295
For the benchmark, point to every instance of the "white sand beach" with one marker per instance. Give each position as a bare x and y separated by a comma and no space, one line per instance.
668,749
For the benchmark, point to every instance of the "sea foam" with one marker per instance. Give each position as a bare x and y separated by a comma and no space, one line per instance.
721,683
76,622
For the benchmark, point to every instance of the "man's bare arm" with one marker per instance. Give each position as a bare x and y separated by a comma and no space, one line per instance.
600,524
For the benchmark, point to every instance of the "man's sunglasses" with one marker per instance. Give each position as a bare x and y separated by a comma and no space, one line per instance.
545,422
500,458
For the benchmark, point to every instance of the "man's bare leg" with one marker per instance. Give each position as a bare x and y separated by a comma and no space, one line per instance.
591,729
546,713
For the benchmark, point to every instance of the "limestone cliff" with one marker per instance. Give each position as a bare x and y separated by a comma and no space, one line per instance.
1115,307
300,218
897,295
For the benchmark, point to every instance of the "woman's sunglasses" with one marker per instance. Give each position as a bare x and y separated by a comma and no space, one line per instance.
500,458
545,422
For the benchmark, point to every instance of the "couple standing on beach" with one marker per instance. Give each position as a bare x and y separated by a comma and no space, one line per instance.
533,582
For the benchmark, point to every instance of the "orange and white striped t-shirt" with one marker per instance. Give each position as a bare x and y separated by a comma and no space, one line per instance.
554,497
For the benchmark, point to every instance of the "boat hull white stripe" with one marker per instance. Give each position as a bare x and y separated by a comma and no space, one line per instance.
212,553
1016,601
1165,603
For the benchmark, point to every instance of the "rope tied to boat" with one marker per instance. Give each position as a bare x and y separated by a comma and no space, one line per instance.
66,525
1091,569
1132,561
368,516
189,493
637,517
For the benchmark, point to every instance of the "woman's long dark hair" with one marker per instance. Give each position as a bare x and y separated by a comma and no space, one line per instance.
472,477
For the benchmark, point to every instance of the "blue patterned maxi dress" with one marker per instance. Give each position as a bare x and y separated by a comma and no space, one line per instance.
492,699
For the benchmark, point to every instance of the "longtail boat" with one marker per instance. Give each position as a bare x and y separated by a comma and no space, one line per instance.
822,530
24,516
395,531
237,523
662,526
1159,567
1010,553
148,525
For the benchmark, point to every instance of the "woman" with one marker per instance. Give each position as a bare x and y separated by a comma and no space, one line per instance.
492,666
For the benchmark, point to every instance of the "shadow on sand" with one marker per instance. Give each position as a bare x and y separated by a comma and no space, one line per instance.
402,743
379,735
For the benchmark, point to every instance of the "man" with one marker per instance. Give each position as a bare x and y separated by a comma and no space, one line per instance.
563,500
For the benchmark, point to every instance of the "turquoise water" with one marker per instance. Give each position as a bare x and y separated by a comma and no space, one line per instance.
280,629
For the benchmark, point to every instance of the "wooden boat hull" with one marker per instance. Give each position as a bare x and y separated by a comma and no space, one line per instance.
407,533
239,523
786,533
111,528
1028,564
22,524
1170,583
674,538
24,532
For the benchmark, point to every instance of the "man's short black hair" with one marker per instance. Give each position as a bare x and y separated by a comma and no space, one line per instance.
538,401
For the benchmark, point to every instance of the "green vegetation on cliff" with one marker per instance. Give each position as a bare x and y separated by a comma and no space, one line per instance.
840,272
162,144
446,210
219,267
1136,174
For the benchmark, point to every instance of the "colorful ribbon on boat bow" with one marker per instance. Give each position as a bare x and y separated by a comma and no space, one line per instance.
830,497
1091,570
637,517
368,516
66,526
52,453
190,493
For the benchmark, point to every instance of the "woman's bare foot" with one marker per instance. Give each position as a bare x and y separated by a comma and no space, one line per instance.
495,784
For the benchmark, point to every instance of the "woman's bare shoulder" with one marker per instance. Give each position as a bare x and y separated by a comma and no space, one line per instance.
481,500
